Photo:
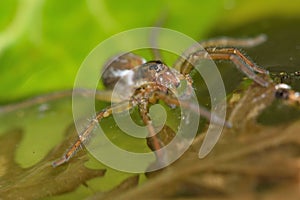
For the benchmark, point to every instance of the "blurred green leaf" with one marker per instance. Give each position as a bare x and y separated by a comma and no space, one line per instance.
43,43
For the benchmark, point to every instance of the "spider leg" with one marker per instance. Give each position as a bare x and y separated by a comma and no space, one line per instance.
220,42
202,111
234,42
156,143
234,52
45,98
226,53
153,40
85,135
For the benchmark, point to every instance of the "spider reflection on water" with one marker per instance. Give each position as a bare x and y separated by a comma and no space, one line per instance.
152,81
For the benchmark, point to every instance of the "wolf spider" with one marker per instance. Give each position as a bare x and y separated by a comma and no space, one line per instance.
153,80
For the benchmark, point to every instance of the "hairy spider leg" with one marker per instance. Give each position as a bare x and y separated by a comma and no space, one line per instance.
235,52
45,98
83,137
220,42
232,54
153,39
200,110
156,143
234,42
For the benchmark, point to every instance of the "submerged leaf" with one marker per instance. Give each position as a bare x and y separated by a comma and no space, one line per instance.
40,180
127,184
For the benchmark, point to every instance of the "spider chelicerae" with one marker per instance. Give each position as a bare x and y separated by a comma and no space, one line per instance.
151,81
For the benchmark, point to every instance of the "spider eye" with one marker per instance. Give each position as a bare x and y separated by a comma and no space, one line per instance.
155,67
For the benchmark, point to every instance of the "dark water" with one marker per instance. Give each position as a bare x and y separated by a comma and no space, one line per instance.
279,54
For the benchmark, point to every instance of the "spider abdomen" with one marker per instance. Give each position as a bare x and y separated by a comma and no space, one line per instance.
120,67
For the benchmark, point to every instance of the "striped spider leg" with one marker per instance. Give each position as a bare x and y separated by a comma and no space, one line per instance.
85,135
224,49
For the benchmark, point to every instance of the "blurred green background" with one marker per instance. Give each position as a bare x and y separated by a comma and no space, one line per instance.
43,43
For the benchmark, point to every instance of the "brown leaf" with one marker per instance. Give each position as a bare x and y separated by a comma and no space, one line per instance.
42,179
